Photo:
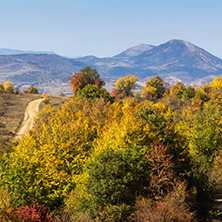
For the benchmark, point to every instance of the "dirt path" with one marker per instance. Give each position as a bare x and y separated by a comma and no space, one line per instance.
31,111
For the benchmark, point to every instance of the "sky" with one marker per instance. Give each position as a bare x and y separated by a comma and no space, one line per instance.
107,27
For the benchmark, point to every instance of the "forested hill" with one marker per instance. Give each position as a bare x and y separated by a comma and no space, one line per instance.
176,60
155,155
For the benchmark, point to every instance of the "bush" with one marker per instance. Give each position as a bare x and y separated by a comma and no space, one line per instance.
6,206
171,208
162,175
62,94
33,90
8,87
36,213
46,98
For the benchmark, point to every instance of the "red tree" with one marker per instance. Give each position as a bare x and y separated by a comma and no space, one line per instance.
162,174
86,76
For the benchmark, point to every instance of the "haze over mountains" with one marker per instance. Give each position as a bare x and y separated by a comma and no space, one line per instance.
175,60
4,51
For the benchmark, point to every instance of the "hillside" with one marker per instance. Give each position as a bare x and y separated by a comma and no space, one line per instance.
12,109
46,72
176,60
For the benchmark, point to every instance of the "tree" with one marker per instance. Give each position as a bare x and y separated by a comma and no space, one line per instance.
114,178
91,92
217,82
155,88
189,93
45,164
86,76
162,175
177,89
203,134
33,90
125,85
8,87
203,94
1,87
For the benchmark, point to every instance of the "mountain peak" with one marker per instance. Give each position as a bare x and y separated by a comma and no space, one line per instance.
190,47
135,50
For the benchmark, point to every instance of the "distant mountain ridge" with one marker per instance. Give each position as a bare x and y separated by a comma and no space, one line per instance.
4,51
175,60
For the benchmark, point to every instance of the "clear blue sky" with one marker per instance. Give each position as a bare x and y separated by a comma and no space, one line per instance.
107,27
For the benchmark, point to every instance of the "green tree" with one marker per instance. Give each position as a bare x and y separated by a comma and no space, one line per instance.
202,133
125,85
92,92
115,177
189,93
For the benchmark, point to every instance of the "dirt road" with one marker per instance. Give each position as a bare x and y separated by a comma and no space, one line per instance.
31,111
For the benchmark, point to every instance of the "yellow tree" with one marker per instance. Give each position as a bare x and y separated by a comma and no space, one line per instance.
217,82
155,88
125,85
177,89
8,87
45,164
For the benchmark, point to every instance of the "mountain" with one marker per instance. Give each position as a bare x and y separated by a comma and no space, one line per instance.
48,73
175,60
4,51
180,59
136,50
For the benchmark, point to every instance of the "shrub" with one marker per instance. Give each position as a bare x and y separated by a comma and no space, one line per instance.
162,174
171,208
6,206
35,213
8,87
33,90
46,97
62,94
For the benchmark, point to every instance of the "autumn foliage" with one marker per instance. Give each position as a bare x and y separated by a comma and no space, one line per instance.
162,176
153,157
35,213
86,76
